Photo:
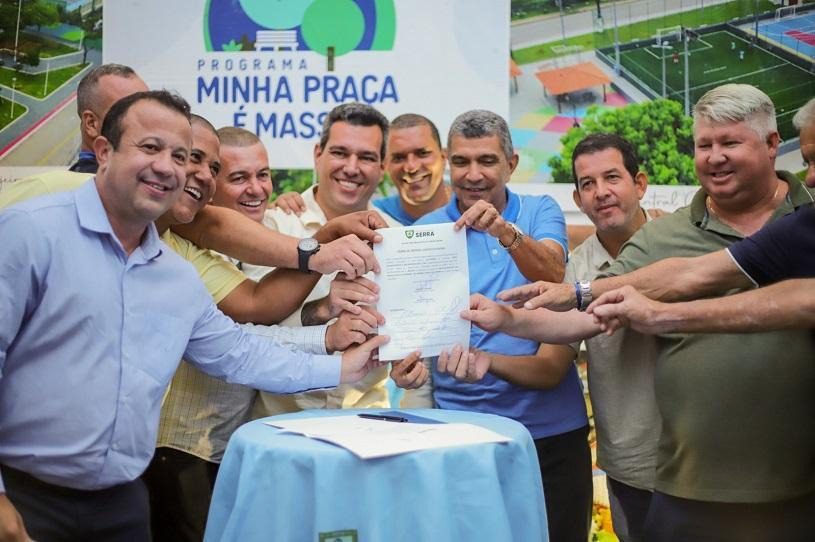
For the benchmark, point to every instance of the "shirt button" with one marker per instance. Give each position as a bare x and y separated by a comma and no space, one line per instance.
115,447
494,251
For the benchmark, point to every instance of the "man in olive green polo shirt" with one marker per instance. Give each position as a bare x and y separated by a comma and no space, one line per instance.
737,450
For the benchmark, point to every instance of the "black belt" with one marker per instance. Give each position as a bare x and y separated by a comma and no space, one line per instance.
31,482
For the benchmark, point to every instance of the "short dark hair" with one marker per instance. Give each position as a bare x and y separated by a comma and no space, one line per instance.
86,90
112,125
601,141
355,114
198,119
410,120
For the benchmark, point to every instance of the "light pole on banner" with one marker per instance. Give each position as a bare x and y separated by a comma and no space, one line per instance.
562,24
17,35
687,34
45,86
616,38
13,87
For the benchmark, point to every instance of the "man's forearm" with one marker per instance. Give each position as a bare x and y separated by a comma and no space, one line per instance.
271,300
229,232
676,279
784,305
551,327
543,370
540,260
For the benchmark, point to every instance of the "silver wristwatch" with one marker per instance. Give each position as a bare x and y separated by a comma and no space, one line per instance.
583,293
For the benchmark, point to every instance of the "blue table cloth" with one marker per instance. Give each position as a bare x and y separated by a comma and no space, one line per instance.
285,487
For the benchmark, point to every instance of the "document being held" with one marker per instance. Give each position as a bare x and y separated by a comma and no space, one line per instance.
423,286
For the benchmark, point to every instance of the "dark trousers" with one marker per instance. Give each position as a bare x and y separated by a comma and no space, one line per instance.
565,463
629,508
57,514
675,519
180,487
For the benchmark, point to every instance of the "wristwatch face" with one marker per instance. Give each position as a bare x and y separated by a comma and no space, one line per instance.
309,244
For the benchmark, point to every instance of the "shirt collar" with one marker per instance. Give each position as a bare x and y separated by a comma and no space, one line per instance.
92,217
86,156
313,215
796,195
510,213
599,252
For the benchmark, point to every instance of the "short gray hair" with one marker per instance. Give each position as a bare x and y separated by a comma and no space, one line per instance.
805,116
481,123
86,90
738,103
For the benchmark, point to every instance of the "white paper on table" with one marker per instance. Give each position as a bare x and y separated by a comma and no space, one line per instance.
376,438
423,286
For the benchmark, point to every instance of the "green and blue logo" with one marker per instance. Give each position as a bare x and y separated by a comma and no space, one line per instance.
299,25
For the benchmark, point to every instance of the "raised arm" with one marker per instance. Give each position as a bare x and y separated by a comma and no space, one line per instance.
539,325
537,260
671,279
229,232
784,305
345,241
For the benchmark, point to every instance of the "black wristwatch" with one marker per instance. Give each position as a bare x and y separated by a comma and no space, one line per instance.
306,248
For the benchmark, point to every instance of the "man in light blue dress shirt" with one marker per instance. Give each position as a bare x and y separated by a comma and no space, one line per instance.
96,313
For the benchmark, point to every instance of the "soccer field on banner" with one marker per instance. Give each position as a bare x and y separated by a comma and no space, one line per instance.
716,58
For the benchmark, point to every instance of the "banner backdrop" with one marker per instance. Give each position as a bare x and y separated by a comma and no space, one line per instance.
276,67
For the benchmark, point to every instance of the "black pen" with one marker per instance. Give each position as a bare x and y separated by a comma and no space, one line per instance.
382,417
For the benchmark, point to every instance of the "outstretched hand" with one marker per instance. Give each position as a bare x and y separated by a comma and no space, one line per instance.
348,254
554,296
351,329
487,314
357,360
345,293
627,307
363,224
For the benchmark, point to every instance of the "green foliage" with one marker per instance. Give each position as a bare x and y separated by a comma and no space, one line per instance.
291,180
33,84
32,58
659,131
32,12
231,46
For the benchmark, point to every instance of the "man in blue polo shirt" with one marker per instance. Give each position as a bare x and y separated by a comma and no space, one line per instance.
415,162
513,240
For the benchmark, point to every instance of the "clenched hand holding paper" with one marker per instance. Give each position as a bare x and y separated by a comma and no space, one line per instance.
424,285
